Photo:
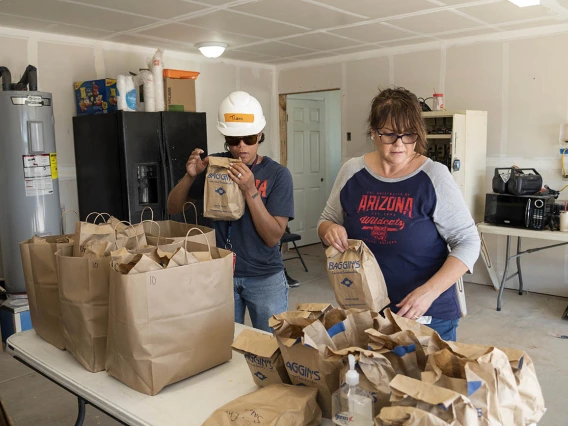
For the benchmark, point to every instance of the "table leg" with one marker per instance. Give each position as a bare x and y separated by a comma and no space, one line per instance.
519,266
82,409
504,279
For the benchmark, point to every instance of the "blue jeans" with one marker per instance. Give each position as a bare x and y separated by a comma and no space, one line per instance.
445,328
263,297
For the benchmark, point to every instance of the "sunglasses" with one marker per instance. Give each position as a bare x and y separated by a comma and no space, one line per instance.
235,140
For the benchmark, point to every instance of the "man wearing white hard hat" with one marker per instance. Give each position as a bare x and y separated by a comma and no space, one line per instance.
259,280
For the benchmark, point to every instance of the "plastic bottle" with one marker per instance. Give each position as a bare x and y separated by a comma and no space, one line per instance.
352,405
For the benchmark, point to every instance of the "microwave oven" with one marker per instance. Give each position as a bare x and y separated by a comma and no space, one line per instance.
519,211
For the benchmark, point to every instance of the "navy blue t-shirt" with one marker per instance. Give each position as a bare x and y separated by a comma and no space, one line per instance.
408,224
254,258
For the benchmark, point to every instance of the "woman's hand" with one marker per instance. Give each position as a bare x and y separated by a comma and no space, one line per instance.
195,165
416,303
336,236
242,176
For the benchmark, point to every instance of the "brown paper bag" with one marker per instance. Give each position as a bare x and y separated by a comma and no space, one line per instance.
93,236
356,277
393,323
40,275
501,383
445,404
304,341
223,199
402,349
274,405
128,236
263,357
408,416
170,324
317,310
83,293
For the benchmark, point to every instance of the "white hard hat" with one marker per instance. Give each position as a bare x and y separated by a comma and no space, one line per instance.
240,114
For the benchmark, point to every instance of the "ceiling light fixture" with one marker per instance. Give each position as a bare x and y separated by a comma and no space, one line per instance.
525,3
211,49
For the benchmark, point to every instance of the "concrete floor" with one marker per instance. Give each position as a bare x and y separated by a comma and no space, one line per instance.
524,323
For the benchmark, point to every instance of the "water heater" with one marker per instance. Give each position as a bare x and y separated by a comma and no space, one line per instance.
29,188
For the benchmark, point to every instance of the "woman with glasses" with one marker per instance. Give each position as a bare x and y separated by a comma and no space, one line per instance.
409,211
259,280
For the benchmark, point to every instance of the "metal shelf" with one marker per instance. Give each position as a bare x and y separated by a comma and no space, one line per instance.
441,136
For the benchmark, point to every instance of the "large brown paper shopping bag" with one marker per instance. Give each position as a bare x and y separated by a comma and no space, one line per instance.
170,324
177,231
223,199
263,357
445,404
40,274
356,277
94,239
129,236
83,293
274,405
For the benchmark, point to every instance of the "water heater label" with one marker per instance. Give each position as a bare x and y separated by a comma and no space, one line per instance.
37,175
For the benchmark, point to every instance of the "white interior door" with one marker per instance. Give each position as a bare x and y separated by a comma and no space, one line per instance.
306,162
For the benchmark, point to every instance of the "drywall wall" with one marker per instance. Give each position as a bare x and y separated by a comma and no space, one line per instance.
523,85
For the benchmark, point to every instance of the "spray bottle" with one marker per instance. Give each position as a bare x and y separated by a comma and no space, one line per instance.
352,405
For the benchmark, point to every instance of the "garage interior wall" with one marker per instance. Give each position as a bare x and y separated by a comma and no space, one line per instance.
526,103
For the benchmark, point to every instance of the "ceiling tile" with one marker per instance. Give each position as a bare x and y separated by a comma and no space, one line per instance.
243,24
163,9
242,55
454,2
189,34
23,23
140,41
361,48
76,31
497,13
372,33
414,40
380,8
68,13
532,24
434,22
321,41
212,2
467,33
299,13
278,61
276,49
315,56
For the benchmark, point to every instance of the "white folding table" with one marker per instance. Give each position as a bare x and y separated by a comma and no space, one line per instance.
188,403
486,228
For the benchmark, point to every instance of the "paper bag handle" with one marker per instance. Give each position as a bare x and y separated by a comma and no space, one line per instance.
157,224
183,211
185,244
142,213
61,219
115,237
96,217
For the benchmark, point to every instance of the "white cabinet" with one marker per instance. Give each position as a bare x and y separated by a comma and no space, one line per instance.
458,139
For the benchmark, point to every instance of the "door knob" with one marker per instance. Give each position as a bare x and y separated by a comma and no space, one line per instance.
322,179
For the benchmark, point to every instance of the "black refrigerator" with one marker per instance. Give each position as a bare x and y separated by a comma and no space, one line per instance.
126,161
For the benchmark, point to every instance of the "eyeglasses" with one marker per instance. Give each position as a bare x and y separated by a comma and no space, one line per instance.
391,138
235,140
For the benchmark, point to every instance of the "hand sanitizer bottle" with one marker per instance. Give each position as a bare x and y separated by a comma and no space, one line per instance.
352,405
